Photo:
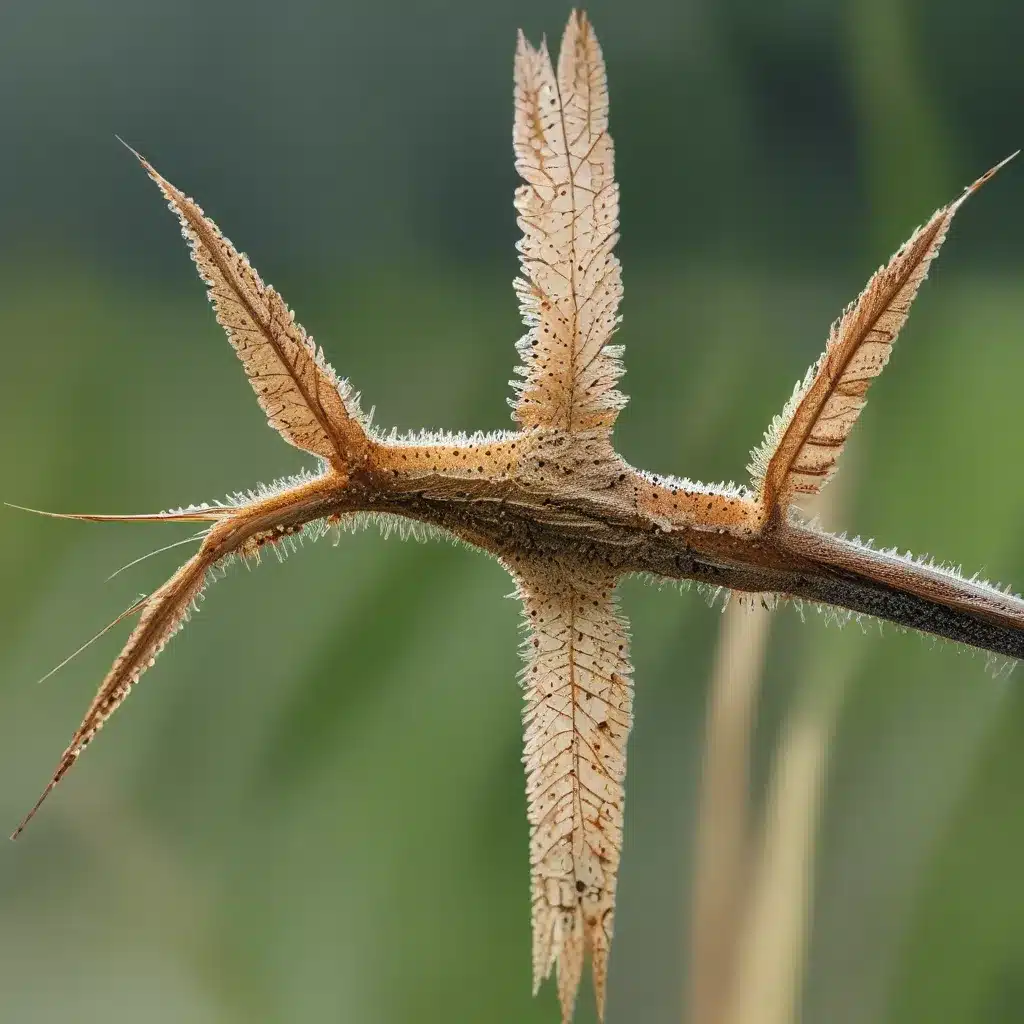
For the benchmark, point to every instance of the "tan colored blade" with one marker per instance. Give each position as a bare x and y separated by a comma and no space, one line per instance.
568,211
803,445
184,515
579,692
298,390
162,616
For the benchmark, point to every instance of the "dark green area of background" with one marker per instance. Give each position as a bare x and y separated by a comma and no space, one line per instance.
313,809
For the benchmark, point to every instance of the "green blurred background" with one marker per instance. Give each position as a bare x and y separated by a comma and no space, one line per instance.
313,809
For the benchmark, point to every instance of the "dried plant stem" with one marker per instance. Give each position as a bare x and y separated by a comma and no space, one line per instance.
722,861
770,951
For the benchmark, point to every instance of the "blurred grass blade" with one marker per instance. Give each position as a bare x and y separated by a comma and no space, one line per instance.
721,859
771,950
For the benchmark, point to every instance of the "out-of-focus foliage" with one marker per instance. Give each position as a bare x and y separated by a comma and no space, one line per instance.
313,808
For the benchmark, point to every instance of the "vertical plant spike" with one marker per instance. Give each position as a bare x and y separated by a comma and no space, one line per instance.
553,501
569,214
578,690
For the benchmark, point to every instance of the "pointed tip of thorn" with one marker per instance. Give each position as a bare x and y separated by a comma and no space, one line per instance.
131,149
202,515
35,807
146,165
69,758
40,511
989,174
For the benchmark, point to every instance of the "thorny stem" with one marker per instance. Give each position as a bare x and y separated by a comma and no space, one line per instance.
555,503
513,520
